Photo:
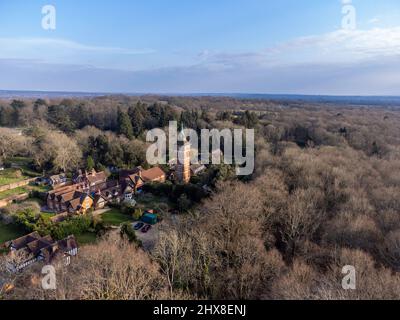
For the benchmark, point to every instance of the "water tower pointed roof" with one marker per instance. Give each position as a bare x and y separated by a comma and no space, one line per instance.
182,138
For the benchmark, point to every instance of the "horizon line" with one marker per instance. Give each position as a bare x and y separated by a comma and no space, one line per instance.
194,94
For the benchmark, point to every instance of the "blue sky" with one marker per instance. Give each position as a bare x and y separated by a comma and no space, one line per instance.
181,46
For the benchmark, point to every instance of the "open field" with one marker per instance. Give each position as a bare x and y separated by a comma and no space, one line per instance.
86,238
12,175
22,190
19,172
114,217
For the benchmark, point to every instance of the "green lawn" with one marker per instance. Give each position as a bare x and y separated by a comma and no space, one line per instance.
86,238
22,161
11,175
18,174
9,232
22,190
114,217
43,189
14,192
47,214
29,172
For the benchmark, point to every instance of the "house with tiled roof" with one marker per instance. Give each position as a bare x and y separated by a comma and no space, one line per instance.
33,248
80,197
110,190
58,180
21,242
90,179
67,247
80,204
57,200
99,201
155,174
133,180
95,178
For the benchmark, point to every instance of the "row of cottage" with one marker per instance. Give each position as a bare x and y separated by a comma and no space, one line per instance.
92,190
33,248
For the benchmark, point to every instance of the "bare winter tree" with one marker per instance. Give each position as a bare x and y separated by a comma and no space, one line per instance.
12,143
301,218
9,270
167,254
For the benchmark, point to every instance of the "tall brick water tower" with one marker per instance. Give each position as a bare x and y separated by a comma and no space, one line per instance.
183,163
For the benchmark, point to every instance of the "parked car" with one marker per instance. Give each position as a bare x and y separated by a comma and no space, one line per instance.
146,228
138,225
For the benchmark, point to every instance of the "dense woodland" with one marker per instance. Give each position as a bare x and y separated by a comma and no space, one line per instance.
324,194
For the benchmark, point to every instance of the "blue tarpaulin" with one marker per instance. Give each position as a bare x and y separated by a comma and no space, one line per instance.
149,218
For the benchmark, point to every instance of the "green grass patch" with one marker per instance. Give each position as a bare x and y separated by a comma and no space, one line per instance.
9,232
114,217
42,189
14,192
21,161
22,190
11,175
24,165
86,238
47,214
29,173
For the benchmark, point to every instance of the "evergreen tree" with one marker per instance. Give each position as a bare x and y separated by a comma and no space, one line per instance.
57,115
38,103
137,117
124,124
128,232
4,116
189,119
16,105
90,163
248,119
167,115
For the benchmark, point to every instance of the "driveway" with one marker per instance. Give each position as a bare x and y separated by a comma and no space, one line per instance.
148,239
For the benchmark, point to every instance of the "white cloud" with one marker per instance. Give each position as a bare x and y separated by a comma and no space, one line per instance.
44,43
374,20
52,50
341,46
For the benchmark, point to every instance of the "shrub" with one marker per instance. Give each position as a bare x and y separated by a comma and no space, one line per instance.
75,225
128,232
137,214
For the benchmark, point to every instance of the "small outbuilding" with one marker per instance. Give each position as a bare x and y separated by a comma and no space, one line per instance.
149,218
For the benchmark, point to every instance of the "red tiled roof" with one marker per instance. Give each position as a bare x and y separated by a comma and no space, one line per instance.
152,174
97,178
